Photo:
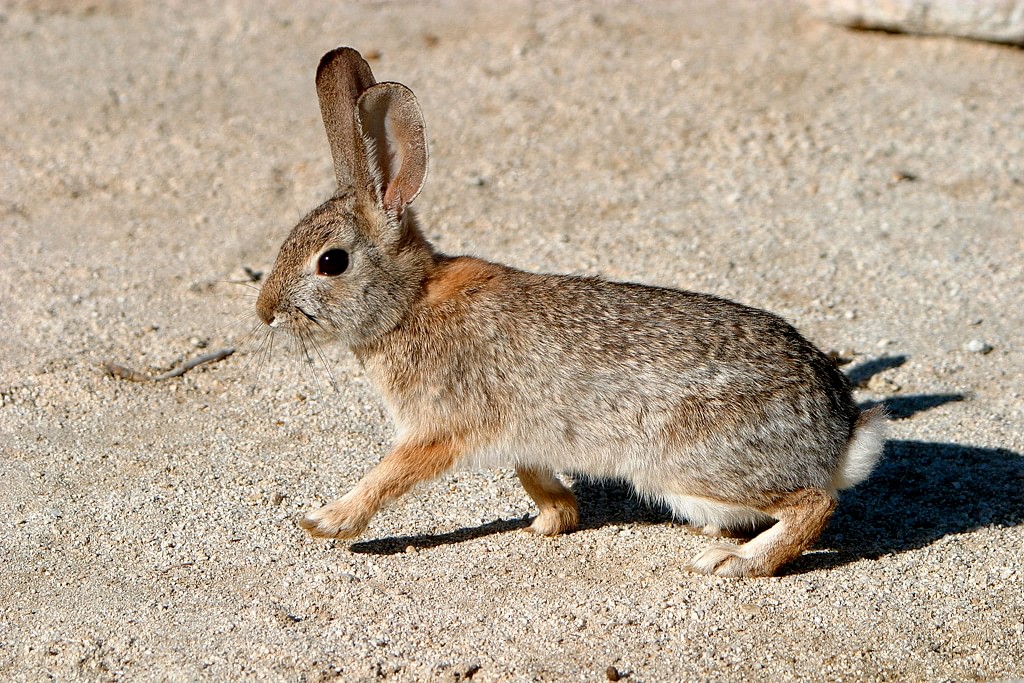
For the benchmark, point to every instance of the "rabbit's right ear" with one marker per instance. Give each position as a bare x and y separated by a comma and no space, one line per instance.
343,75
392,122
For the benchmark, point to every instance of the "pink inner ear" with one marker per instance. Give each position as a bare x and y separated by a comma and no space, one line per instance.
391,161
392,121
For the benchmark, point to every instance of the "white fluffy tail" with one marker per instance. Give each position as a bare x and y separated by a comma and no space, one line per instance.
863,449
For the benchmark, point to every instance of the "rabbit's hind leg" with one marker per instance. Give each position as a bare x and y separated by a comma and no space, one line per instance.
802,516
559,512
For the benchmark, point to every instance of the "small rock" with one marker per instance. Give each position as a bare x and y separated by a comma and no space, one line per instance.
466,671
251,274
977,346
843,356
882,385
612,674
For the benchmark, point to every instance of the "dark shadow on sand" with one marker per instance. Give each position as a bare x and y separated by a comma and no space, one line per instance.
860,374
902,407
394,545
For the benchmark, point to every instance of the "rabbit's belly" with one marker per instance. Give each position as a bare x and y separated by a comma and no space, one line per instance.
710,514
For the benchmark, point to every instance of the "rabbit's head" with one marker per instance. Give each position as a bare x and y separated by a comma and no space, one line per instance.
351,269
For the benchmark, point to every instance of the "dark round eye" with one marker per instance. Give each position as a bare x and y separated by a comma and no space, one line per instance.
332,262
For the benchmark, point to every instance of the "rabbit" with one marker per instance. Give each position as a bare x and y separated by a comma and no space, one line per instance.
722,412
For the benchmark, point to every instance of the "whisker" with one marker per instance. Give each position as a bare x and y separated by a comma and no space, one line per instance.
308,362
263,354
323,360
293,345
241,320
272,336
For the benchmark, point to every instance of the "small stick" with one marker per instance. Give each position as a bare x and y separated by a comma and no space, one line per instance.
122,372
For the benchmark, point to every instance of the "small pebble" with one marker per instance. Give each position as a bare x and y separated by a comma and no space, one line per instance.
466,671
612,674
977,346
882,385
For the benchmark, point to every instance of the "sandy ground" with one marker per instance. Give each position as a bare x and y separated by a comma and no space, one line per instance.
868,187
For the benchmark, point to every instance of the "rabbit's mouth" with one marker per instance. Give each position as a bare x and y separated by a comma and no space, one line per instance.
309,316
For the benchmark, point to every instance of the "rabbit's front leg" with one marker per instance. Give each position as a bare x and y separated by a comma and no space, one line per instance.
401,469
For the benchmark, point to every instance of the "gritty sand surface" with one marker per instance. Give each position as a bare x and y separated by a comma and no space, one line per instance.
868,187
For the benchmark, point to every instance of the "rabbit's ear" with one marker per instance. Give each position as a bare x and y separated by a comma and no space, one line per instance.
392,124
343,75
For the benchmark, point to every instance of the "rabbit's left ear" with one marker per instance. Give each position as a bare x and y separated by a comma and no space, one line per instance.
396,143
343,75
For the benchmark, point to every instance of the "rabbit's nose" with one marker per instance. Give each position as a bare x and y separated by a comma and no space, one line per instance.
266,309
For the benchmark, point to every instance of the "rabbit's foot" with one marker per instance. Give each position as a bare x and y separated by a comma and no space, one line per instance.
559,512
344,518
725,559
555,520
709,530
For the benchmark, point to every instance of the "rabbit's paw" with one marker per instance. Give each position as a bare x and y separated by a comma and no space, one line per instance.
343,518
555,520
724,559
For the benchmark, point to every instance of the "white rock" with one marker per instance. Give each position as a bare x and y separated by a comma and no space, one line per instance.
1000,21
977,346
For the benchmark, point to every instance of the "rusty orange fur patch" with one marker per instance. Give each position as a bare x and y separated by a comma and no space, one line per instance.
459,277
406,466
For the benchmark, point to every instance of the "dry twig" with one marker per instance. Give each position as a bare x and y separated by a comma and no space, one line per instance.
122,372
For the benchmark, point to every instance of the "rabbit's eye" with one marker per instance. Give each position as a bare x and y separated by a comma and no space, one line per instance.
332,262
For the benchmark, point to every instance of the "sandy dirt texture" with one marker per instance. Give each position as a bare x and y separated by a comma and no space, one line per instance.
868,187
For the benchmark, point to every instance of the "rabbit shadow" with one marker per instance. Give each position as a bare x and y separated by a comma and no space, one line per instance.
601,503
919,493
862,372
896,407
395,545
